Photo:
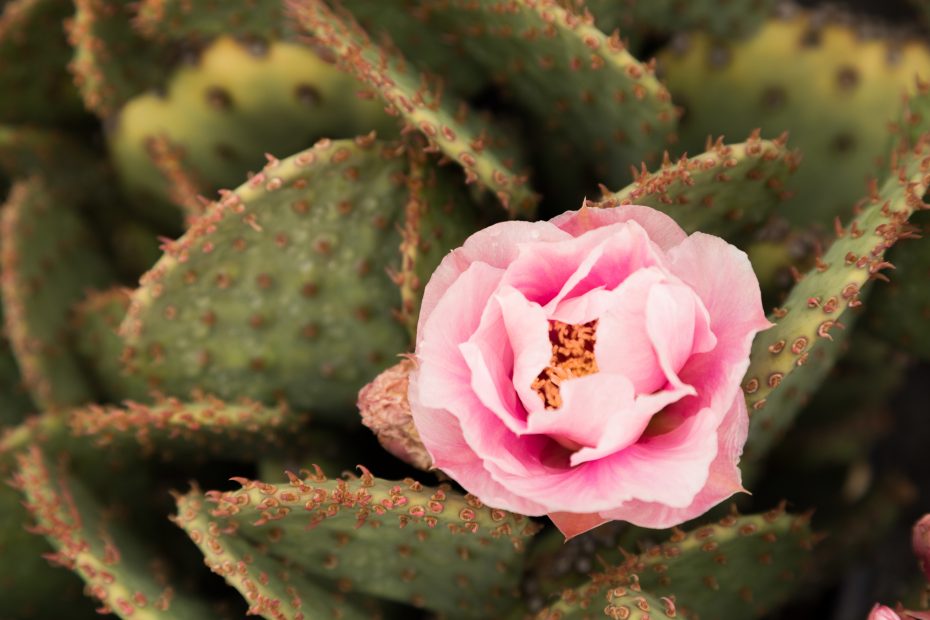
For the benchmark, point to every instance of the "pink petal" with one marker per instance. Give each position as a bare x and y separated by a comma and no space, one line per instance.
677,324
596,408
635,421
623,345
669,469
547,273
723,479
444,377
572,524
490,358
661,228
496,245
723,278
443,371
528,334
442,435
881,612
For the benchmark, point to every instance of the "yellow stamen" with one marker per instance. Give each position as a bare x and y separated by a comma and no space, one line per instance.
572,357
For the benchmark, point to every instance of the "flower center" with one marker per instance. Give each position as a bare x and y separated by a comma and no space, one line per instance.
572,357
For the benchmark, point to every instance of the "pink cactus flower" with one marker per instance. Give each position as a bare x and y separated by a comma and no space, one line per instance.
921,544
588,368
882,612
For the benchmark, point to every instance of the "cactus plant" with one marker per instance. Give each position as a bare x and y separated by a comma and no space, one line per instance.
221,220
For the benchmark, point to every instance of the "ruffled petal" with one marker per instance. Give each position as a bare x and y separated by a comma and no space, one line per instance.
496,246
528,334
572,524
622,344
490,358
662,229
722,277
678,326
442,435
669,469
443,371
596,408
723,480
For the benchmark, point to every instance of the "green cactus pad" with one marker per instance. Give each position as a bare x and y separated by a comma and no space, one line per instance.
740,567
638,18
95,322
405,26
220,115
901,311
428,547
48,259
15,403
29,587
33,56
274,589
819,301
115,567
582,85
166,428
26,150
280,290
834,91
725,191
849,413
181,19
198,427
447,124
111,63
609,596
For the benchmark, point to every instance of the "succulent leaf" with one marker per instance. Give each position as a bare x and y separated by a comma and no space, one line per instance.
111,64
429,547
819,301
215,124
164,20
725,191
447,124
48,259
582,85
113,565
280,289
741,567
831,87
31,29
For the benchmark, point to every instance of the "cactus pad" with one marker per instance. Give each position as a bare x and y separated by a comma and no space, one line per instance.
48,259
29,587
724,191
581,84
31,29
902,306
113,565
832,89
95,323
423,546
219,120
818,302
740,567
449,126
181,19
268,295
111,64
640,18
